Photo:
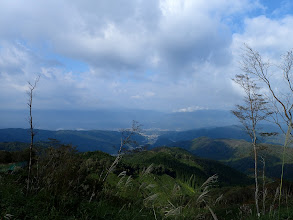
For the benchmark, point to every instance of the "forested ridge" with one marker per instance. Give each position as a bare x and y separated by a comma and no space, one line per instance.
161,183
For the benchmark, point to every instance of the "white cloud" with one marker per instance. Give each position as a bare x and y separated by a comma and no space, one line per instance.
140,54
191,109
143,95
113,37
267,35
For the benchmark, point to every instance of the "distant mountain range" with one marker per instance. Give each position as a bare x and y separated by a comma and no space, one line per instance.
229,144
107,141
177,160
230,132
115,119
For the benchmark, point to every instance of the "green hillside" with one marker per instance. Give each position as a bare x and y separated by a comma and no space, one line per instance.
162,183
69,184
182,164
238,154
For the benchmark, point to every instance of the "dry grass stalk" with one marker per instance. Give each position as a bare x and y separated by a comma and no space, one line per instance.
148,170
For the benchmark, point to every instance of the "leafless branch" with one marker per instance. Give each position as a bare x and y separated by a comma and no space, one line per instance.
30,92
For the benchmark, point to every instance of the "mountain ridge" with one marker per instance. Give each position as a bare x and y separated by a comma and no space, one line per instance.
107,141
238,154
114,119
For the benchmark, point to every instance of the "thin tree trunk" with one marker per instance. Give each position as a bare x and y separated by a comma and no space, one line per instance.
31,144
32,134
256,177
263,187
283,163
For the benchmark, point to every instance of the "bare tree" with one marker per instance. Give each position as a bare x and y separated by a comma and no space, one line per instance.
31,88
250,114
281,98
126,140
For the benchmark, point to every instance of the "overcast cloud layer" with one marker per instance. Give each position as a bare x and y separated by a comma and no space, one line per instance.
167,55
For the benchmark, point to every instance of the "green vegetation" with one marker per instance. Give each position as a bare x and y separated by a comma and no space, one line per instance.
163,183
238,154
184,165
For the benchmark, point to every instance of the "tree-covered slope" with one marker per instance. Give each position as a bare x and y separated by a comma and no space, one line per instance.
181,163
73,185
238,154
163,183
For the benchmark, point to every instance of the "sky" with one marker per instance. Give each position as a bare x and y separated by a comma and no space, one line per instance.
164,55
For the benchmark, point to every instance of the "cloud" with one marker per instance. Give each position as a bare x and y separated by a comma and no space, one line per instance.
143,95
162,55
191,109
269,36
113,37
14,59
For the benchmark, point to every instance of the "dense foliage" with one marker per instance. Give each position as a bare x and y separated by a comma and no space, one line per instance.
164,183
238,155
